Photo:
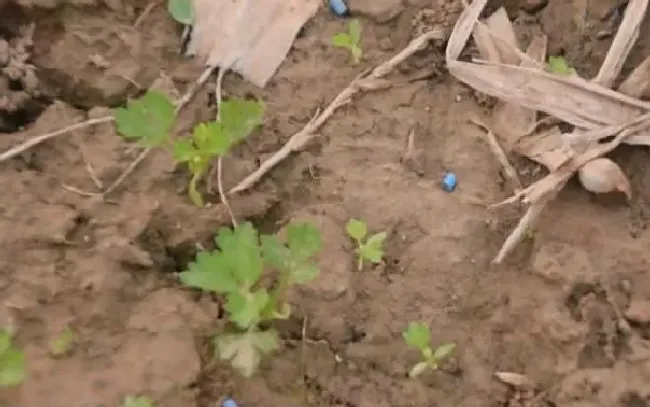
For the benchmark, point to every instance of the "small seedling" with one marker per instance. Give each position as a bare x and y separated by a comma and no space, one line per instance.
350,40
235,270
181,11
418,336
369,249
137,401
12,361
63,343
149,120
559,66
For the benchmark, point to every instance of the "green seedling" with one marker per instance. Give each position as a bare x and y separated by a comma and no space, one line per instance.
235,270
137,401
369,249
559,66
149,120
418,336
181,11
350,40
12,361
62,343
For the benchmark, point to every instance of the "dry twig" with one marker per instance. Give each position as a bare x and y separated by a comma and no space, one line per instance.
368,81
14,151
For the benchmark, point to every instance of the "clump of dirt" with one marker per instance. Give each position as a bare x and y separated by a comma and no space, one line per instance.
20,96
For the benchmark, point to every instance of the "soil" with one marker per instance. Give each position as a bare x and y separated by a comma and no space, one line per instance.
569,309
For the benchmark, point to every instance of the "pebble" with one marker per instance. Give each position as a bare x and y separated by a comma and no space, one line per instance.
449,182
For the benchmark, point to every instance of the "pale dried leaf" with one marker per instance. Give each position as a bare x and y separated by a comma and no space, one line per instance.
637,84
572,99
251,37
499,25
516,380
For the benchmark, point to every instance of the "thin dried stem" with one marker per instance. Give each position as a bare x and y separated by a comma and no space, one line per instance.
19,149
222,194
368,81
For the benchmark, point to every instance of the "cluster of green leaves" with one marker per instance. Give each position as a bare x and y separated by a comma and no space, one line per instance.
418,336
12,361
137,401
149,120
559,65
181,11
235,270
368,248
350,40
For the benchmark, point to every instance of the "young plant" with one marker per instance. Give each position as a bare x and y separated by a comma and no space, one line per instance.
369,249
181,10
139,401
235,271
62,343
149,120
12,361
350,40
559,66
418,336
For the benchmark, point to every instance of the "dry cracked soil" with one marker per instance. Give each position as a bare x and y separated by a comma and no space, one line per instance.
570,308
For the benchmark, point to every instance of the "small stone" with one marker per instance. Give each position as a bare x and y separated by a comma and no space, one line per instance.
639,311
380,11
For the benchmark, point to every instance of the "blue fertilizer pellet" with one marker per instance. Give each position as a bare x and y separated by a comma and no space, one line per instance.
228,403
339,7
449,182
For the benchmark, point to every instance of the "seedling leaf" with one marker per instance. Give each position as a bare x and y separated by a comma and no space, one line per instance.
210,272
240,249
148,119
418,369
184,150
181,11
356,229
372,249
5,340
341,40
239,118
443,351
62,344
354,30
303,240
275,253
140,401
245,308
12,367
417,335
245,350
356,54
560,66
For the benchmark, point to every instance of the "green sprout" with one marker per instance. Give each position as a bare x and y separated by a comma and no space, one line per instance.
559,65
12,361
235,271
369,249
418,336
62,343
139,401
350,40
149,121
181,11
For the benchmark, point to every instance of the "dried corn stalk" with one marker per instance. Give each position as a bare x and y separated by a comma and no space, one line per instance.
524,88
